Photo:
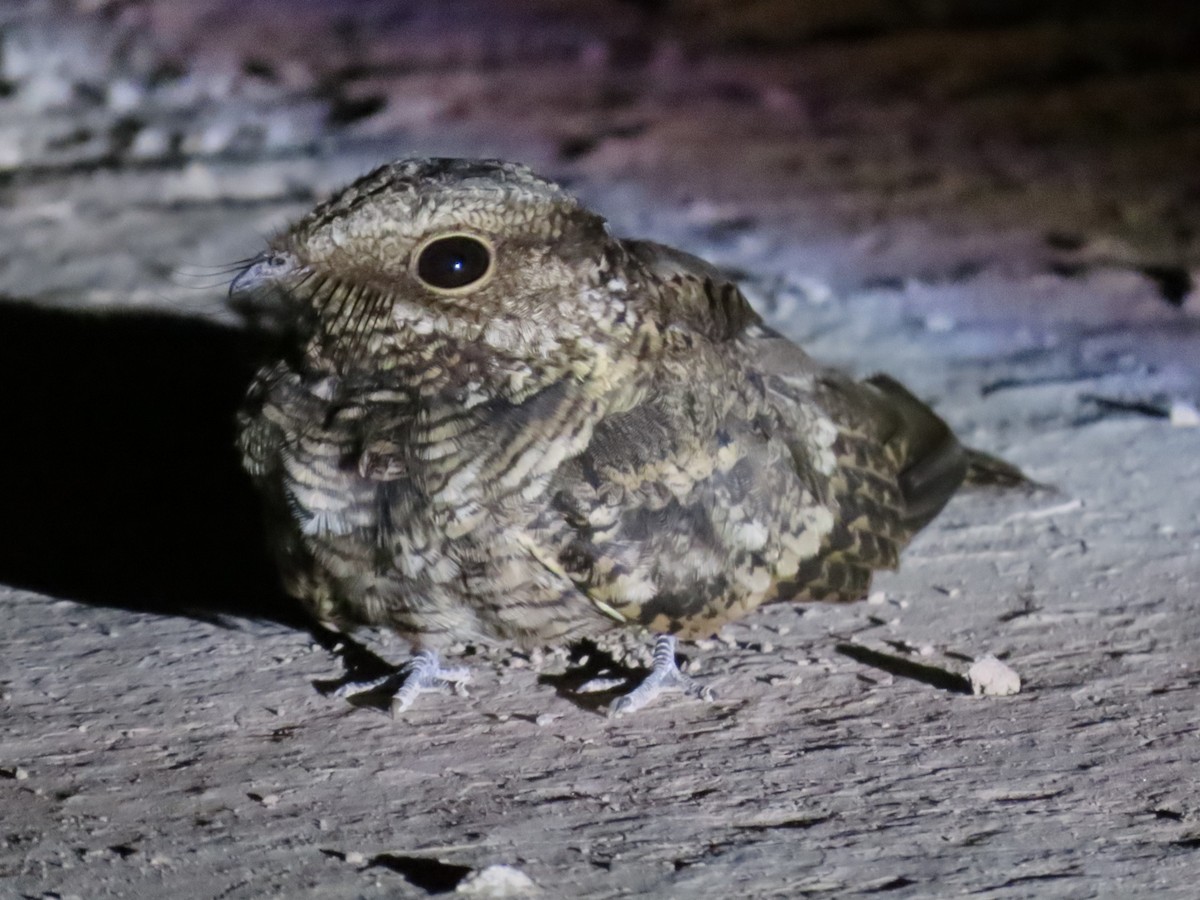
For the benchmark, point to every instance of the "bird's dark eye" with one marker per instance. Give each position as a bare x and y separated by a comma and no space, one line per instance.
453,262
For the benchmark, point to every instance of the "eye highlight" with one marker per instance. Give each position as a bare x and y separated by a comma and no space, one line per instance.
453,263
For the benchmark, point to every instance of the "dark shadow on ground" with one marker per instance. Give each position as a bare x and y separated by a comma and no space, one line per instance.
119,482
591,663
906,668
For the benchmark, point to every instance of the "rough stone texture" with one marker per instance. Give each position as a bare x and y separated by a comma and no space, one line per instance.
1001,209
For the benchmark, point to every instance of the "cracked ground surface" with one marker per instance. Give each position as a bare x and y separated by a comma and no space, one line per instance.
1004,213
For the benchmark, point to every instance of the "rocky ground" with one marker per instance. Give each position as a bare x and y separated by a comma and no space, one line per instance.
1001,208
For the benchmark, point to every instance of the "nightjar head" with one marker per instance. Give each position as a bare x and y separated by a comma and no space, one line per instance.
476,250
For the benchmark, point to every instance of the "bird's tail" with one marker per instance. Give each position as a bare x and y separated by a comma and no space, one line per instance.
985,470
933,465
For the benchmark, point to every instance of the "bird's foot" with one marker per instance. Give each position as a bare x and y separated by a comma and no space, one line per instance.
664,676
421,674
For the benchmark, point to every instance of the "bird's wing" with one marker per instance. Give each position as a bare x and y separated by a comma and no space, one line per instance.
893,463
687,506
748,472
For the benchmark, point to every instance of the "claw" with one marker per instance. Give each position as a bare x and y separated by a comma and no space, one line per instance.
422,674
664,676
425,674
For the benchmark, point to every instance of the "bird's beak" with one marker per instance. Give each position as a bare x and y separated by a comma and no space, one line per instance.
262,292
264,271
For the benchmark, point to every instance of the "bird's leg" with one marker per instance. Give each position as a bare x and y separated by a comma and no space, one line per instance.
425,673
664,676
419,675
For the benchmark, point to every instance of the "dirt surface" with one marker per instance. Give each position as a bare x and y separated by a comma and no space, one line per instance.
1003,211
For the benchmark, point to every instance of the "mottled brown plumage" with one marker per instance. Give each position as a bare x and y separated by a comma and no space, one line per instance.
593,433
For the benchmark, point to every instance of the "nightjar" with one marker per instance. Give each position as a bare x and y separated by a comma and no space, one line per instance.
496,422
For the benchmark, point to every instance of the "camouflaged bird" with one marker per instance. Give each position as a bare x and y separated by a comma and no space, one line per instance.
498,423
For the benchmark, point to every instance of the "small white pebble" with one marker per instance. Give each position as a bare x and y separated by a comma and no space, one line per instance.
992,678
1184,415
939,323
20,774
355,858
814,291
125,95
925,650
150,142
877,598
545,719
596,685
